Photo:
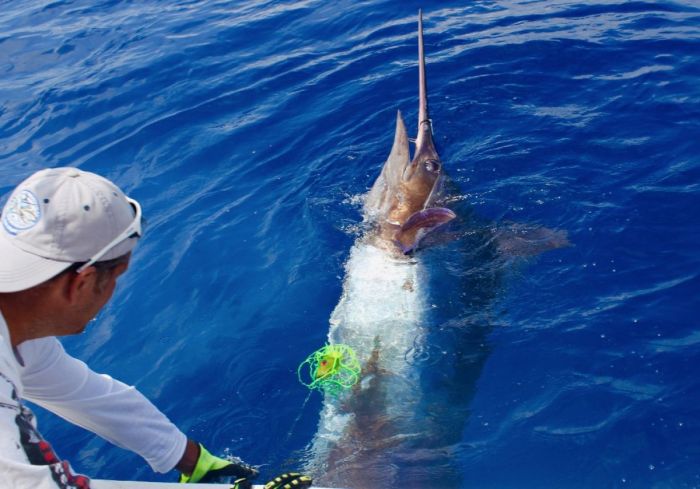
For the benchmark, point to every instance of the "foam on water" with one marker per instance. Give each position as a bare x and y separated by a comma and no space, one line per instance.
242,130
382,311
383,302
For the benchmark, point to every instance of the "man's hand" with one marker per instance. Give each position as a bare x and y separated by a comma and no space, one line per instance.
209,468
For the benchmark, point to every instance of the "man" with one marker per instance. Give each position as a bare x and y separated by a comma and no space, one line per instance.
65,238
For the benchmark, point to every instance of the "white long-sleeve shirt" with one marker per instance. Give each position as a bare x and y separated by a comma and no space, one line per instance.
42,372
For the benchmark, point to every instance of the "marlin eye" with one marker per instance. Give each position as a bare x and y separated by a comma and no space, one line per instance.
432,166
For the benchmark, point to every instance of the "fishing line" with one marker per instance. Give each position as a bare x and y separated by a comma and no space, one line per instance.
332,369
296,421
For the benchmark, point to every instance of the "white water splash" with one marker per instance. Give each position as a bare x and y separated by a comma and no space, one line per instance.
383,306
383,299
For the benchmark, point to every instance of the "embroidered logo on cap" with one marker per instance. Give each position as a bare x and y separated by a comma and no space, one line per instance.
21,213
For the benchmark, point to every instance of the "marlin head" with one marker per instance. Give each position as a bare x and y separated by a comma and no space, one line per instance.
426,160
401,199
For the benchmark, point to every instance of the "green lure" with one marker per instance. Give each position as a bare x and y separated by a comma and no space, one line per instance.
332,369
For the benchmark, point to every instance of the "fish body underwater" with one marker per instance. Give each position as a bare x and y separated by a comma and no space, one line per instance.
382,314
378,433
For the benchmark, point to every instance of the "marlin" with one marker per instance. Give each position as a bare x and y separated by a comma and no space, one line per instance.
375,434
382,314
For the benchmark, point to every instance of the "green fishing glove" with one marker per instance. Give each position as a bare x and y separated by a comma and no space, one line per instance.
291,480
210,469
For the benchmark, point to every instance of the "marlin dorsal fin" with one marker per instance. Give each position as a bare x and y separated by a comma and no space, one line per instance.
385,189
399,158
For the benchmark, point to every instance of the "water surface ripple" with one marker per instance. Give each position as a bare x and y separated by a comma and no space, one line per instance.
249,129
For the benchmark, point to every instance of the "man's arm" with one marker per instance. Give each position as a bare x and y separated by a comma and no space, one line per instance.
189,459
117,412
122,415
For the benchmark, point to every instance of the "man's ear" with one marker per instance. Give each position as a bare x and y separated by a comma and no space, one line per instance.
121,268
78,284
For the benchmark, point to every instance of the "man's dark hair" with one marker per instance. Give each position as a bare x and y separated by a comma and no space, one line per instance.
104,268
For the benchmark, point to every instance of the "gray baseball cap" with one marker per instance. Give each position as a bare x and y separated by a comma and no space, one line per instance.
58,217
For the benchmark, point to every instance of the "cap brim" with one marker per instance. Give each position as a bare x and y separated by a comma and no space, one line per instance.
20,270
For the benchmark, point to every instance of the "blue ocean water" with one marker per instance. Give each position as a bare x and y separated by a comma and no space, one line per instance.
248,131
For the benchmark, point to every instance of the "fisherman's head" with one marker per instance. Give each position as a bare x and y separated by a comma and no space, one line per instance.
66,235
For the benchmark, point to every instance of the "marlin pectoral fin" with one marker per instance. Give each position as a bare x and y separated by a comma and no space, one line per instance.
419,224
529,239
